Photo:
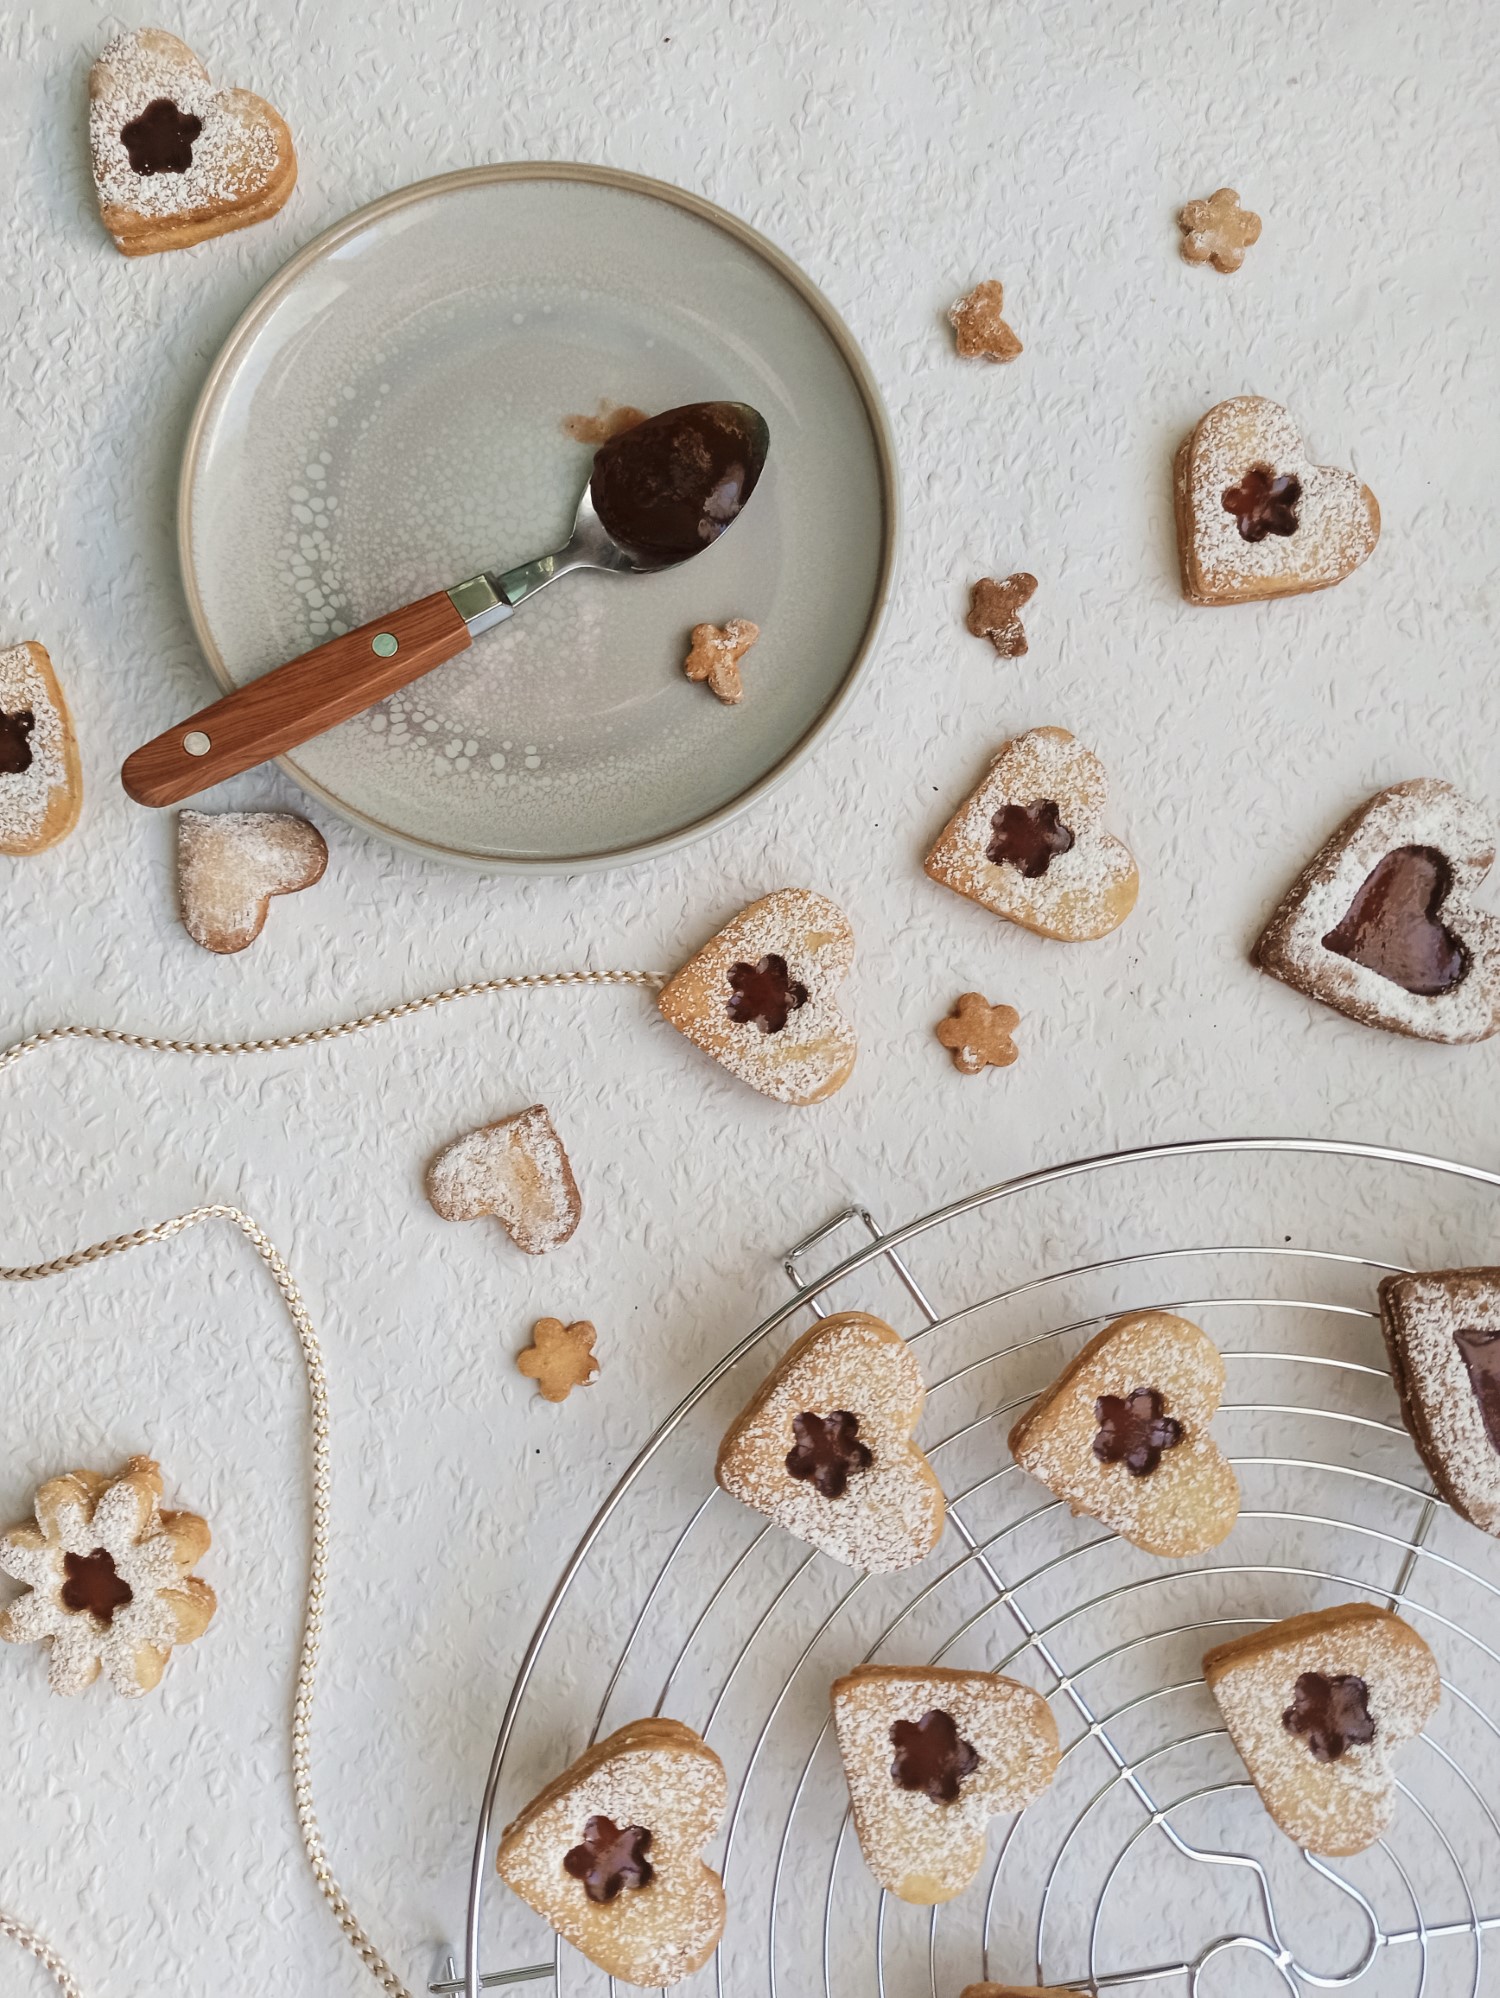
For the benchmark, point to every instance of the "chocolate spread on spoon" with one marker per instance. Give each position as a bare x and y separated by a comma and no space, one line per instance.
668,487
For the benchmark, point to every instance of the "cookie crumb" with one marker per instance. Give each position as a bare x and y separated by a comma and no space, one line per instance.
978,325
995,612
978,1035
560,1357
715,655
1218,231
611,419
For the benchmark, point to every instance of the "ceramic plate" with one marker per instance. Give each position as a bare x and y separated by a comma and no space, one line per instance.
389,416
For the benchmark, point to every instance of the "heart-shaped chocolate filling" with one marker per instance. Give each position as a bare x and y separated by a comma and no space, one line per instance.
1392,927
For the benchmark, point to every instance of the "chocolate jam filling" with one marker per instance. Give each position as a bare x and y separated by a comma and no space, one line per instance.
672,484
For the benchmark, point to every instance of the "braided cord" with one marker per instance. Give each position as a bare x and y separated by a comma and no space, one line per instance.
44,1953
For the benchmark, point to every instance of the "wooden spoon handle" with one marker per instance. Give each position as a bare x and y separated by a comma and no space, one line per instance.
294,702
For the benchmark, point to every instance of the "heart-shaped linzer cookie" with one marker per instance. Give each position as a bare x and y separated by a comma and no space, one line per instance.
230,864
1381,923
608,1853
1122,1435
1315,1705
1255,518
41,780
1019,1991
1029,844
931,1755
516,1169
1442,1332
825,1447
176,159
760,997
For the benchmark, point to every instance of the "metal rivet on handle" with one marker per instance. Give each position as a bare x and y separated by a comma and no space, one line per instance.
384,644
196,743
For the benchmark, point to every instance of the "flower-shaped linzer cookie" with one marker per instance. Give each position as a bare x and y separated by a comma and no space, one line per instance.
995,612
560,1357
715,656
107,1578
978,1035
979,326
1218,231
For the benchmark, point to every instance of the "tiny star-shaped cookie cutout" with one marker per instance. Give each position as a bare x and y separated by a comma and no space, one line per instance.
981,331
995,612
978,1035
715,656
560,1357
1218,231
1332,1714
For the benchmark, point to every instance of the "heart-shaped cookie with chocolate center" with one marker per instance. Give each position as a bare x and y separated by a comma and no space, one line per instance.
1315,1705
1029,842
516,1169
41,780
931,1755
1122,1435
825,1447
230,864
175,158
1255,518
608,1853
1381,924
1442,1335
760,997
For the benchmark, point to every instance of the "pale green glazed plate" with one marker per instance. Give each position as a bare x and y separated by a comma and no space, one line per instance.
388,417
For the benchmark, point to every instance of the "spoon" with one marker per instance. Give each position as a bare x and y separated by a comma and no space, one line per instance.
657,495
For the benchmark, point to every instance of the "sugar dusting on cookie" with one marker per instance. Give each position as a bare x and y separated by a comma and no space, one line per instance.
889,1514
26,796
1424,812
518,1170
1423,1317
1338,522
933,1848
229,865
234,154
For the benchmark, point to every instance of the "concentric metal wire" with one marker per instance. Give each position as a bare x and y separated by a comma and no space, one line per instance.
1149,1865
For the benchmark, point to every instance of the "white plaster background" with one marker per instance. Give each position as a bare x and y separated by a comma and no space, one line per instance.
899,154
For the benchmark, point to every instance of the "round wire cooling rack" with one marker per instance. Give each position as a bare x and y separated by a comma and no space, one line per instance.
1149,1864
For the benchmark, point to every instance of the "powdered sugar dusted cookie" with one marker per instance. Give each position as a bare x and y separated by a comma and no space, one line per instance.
1255,518
1442,1331
1122,1435
108,1581
1381,925
41,780
1029,844
825,1447
1019,1991
230,864
760,997
1316,1705
175,158
608,1853
517,1170
931,1756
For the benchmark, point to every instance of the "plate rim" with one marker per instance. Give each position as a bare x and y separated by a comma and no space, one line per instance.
258,310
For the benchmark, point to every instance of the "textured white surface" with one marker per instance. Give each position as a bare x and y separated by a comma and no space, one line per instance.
900,155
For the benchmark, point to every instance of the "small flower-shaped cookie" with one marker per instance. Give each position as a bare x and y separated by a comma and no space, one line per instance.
979,326
978,1035
107,1579
1218,231
995,612
560,1357
717,650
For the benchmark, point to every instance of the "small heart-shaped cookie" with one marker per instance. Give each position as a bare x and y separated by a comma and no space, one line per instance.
1122,1435
760,997
176,159
931,1755
230,864
1029,844
1255,518
608,1853
517,1170
1381,924
1315,1705
41,780
824,1447
1442,1332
